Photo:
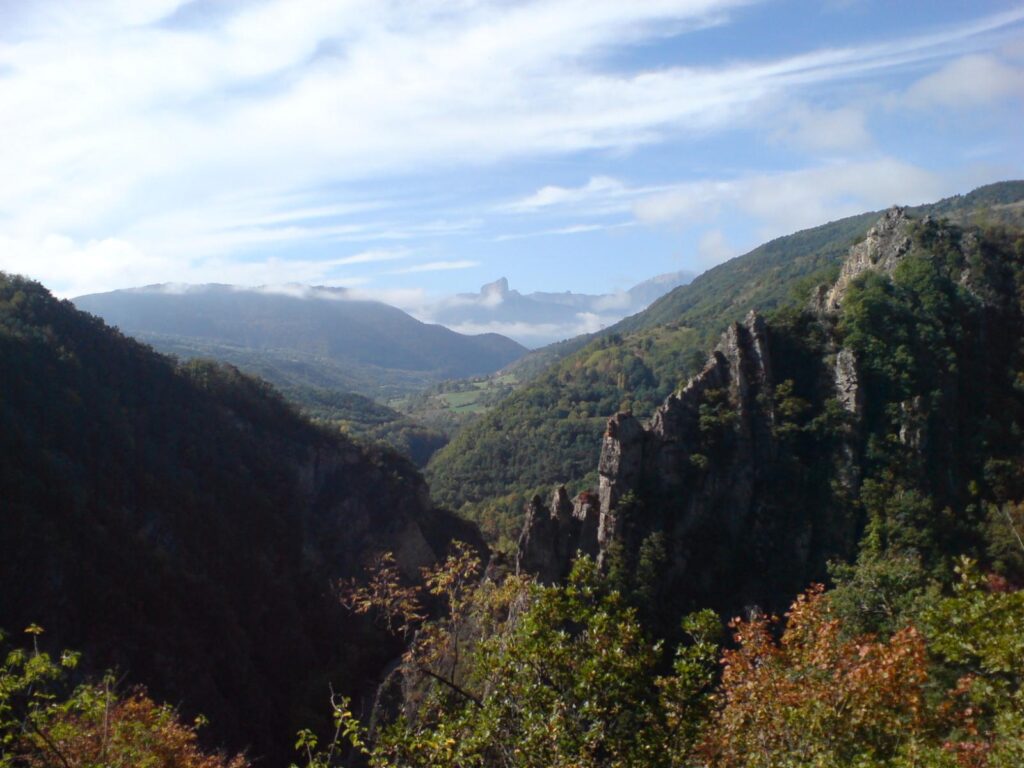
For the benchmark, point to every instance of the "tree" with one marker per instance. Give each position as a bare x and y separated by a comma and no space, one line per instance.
815,698
42,725
524,676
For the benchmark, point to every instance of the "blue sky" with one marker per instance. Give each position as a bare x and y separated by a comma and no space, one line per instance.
415,149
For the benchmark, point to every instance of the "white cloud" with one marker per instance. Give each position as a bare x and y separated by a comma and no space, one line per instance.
784,202
967,82
299,291
412,300
828,130
682,203
572,229
371,257
72,268
121,131
612,302
714,248
436,266
537,334
598,187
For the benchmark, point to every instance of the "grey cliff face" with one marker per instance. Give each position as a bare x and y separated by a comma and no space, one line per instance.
709,472
696,476
882,249
847,382
553,535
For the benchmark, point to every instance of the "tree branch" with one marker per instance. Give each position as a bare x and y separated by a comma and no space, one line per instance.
459,690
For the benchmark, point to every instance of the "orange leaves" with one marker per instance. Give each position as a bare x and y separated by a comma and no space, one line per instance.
813,696
97,727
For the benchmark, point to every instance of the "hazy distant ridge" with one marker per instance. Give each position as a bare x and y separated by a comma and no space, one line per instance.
542,317
298,334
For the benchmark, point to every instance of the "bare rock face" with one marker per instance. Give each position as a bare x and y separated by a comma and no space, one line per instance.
698,473
622,452
710,475
705,454
553,535
847,382
886,243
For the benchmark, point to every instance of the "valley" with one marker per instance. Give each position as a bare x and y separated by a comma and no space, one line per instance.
534,384
800,451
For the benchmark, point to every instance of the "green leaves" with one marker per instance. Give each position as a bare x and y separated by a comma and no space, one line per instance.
44,723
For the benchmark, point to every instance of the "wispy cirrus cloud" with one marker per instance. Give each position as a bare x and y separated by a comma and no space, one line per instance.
131,127
436,266
572,229
371,257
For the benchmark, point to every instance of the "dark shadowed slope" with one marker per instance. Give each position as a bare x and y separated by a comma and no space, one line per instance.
183,523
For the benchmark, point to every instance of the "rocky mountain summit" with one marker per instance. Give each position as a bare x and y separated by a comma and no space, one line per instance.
881,250
721,475
700,473
542,317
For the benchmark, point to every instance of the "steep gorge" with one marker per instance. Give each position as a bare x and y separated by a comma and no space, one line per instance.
805,430
182,524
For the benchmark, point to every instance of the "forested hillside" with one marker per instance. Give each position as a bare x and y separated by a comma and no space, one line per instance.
869,438
549,430
321,338
182,523
364,419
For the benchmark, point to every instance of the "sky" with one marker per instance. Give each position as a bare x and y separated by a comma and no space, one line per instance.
410,150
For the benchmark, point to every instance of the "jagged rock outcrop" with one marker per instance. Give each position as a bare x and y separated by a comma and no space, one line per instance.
700,474
710,473
553,535
883,247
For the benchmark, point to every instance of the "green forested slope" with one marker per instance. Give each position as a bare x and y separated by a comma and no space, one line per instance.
763,278
548,431
365,419
319,337
183,523
913,655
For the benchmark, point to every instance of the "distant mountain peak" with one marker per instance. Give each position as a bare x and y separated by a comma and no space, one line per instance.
499,287
540,317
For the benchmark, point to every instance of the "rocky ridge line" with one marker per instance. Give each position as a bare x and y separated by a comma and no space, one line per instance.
701,471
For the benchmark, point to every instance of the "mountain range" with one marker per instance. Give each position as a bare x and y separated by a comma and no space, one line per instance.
549,430
300,336
540,318
858,420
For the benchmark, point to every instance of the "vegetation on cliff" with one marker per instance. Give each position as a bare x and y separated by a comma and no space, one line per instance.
518,675
181,522
547,432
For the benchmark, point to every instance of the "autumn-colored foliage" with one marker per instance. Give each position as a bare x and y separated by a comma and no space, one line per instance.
97,728
815,698
44,724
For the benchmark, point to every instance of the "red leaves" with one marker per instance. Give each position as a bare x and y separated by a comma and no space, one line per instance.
814,695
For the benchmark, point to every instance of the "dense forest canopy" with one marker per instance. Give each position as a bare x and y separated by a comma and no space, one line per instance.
182,524
548,431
